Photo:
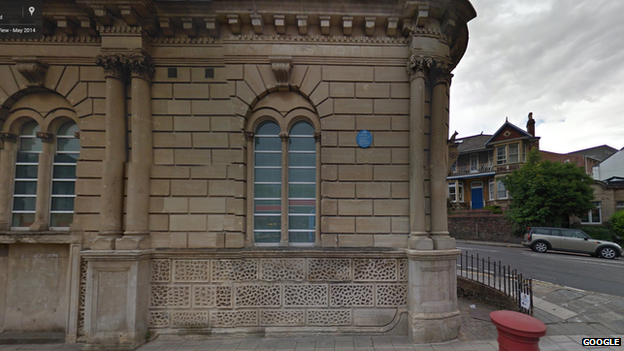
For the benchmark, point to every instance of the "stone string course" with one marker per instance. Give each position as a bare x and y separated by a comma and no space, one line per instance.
272,292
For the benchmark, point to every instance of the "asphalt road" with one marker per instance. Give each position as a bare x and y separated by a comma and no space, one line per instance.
567,269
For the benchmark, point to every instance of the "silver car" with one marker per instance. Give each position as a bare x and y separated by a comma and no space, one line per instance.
542,239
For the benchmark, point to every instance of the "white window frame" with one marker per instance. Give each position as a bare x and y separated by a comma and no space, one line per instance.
451,191
491,189
513,154
501,155
15,179
590,219
499,185
53,196
619,205
524,152
474,163
460,192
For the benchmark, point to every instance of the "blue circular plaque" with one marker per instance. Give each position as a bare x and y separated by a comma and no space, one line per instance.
364,139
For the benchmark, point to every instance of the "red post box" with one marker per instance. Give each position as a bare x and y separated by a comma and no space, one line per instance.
517,331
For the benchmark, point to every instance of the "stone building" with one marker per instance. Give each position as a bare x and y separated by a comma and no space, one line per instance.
216,167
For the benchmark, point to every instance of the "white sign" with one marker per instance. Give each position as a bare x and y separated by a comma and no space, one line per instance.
525,300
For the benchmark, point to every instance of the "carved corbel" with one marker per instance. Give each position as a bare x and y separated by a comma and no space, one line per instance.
166,26
67,26
393,23
235,24
325,24
257,23
104,17
282,68
280,23
418,66
212,26
189,27
284,136
46,137
407,27
369,25
423,15
347,25
249,136
317,136
130,17
87,24
32,69
302,23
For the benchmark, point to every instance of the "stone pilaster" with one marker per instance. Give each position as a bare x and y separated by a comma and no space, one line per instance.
44,182
113,167
441,76
7,157
417,68
137,220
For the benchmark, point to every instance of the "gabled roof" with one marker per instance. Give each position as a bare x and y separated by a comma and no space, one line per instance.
514,131
473,143
599,153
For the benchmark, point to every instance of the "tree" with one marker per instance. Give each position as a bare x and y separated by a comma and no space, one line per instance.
547,193
617,223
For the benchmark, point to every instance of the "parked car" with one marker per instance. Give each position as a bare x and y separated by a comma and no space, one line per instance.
542,239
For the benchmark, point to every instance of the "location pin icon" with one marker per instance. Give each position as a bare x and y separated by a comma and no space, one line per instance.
31,10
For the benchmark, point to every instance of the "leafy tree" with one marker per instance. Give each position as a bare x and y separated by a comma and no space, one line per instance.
547,193
617,223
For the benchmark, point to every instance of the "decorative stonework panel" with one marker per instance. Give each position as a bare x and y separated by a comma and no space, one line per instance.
189,319
234,318
234,270
282,317
347,295
191,271
402,270
82,297
391,295
282,269
163,296
161,271
258,295
372,269
329,269
205,296
305,295
329,317
159,319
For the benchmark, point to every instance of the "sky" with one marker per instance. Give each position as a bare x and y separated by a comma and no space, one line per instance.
563,60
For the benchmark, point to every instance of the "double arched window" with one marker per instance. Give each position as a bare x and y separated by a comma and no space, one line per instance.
285,184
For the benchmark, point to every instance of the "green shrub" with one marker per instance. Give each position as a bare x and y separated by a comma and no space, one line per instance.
599,233
495,209
617,223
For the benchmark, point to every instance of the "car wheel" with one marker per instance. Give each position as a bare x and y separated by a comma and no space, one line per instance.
608,252
540,247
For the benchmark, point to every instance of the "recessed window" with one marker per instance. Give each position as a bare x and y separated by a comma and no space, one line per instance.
593,216
209,73
501,190
172,72
64,176
26,173
501,155
513,153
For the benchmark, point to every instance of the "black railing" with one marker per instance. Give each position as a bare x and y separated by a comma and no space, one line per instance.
499,277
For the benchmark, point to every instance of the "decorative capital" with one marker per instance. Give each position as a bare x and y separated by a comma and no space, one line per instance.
140,65
317,136
8,137
283,136
282,67
32,69
113,64
249,136
46,137
441,72
418,66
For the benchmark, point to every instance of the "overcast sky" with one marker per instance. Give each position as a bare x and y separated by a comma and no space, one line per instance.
563,60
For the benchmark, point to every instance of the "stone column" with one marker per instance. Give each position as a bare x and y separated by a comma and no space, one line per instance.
284,238
417,67
136,235
7,160
44,182
113,167
441,76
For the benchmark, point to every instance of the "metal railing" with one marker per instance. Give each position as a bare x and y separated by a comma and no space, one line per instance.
467,169
499,277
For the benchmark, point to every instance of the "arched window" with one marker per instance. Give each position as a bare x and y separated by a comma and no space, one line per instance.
267,184
26,167
64,176
301,184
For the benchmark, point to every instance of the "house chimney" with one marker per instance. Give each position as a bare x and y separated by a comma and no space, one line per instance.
531,124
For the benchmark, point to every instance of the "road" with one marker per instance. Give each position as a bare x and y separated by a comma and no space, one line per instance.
567,269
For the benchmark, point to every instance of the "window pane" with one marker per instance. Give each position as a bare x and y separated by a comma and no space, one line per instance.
67,144
301,144
301,237
267,237
61,219
63,188
66,172
27,157
62,204
23,219
268,206
68,128
66,158
302,206
595,216
301,222
268,128
302,128
267,222
30,144
302,175
25,188
263,159
24,203
273,144
298,160
302,190
268,190
268,174
26,172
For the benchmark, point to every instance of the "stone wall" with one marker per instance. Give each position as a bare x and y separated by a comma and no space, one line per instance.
481,225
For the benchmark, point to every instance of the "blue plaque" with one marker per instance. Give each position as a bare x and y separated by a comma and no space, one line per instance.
364,139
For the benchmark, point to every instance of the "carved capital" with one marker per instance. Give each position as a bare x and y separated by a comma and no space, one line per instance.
7,137
140,65
249,136
113,64
283,136
32,69
282,67
418,66
441,72
317,136
46,137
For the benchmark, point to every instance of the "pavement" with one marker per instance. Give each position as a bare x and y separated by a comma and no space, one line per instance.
569,314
